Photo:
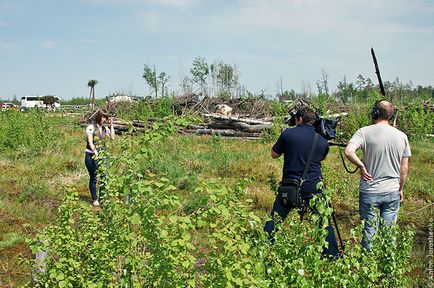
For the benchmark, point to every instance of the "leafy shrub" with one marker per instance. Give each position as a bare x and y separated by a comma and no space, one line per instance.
142,110
415,121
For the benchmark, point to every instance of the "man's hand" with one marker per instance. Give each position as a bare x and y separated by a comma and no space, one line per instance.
365,174
401,195
95,155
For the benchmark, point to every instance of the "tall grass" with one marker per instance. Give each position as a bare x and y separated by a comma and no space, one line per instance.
29,134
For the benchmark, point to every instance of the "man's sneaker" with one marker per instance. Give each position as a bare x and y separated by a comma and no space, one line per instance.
96,203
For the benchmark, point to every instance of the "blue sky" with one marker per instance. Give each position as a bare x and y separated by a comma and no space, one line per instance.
55,47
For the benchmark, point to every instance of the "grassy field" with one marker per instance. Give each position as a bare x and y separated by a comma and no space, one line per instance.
32,185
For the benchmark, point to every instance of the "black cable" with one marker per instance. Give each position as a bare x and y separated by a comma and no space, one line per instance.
343,162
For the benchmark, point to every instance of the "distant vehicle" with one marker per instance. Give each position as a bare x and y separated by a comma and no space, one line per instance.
31,102
7,105
36,102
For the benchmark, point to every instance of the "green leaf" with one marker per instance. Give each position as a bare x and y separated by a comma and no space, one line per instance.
172,219
135,219
185,263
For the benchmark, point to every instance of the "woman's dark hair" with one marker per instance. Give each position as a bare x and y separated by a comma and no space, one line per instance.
101,113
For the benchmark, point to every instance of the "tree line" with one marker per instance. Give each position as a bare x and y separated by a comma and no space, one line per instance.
221,80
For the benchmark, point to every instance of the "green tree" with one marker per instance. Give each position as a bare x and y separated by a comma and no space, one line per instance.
360,82
200,72
225,77
323,91
48,100
92,84
150,77
346,91
154,81
163,78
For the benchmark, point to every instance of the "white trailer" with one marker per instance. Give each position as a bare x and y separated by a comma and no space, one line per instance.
31,102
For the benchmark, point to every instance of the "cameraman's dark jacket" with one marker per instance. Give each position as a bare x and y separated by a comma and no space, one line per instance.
295,144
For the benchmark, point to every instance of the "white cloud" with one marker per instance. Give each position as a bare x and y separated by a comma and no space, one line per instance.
321,16
50,44
7,45
307,15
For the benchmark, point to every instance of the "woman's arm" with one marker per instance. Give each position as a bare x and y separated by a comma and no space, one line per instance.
91,145
112,129
89,136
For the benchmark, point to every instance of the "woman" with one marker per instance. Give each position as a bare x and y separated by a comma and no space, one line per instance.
96,135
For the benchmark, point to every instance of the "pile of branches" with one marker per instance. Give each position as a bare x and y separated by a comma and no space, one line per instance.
213,124
255,107
247,118
230,126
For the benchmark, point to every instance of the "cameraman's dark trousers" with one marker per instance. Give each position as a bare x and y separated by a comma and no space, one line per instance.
282,210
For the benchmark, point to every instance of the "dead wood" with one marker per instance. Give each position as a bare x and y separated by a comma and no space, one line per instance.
225,133
237,119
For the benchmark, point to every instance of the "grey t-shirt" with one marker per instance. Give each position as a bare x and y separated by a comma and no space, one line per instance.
383,148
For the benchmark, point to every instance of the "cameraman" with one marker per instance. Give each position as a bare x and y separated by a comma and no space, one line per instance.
383,169
296,144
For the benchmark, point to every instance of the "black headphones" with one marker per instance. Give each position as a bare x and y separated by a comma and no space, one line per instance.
375,113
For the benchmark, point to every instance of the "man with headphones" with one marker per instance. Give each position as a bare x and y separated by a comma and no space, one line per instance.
383,169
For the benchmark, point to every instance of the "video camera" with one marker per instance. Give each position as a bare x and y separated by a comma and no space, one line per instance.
324,127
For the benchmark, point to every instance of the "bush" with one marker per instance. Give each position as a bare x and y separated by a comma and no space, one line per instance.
415,121
142,110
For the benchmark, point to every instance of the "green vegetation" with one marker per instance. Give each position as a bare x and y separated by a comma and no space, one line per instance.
143,237
30,133
188,211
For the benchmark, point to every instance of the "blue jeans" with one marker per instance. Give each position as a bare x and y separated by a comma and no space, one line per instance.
92,168
283,210
387,202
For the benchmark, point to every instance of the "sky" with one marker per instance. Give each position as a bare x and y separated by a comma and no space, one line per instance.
50,47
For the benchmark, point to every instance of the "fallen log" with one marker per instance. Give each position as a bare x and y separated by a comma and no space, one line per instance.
226,133
195,127
240,126
237,119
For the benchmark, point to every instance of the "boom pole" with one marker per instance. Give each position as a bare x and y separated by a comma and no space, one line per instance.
377,71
